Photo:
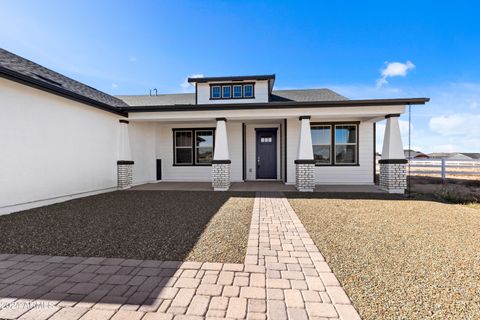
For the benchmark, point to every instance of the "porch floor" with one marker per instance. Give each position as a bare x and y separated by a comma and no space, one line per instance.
276,186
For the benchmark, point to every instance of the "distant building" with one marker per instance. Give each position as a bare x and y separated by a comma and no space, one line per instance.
458,156
412,154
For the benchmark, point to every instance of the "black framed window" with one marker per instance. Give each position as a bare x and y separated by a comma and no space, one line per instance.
232,91
193,146
216,92
322,144
335,144
346,144
183,147
203,146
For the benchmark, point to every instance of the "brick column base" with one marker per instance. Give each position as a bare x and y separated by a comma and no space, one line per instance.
393,175
221,175
305,175
124,174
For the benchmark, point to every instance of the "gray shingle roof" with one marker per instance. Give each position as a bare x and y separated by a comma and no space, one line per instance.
30,69
277,96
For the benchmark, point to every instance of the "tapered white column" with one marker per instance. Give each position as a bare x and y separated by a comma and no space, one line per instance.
221,158
124,163
393,176
305,163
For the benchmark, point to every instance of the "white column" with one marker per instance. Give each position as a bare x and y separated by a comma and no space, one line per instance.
392,141
305,149
221,141
124,152
393,165
305,163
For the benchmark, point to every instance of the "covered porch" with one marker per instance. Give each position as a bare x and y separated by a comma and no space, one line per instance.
256,186
198,151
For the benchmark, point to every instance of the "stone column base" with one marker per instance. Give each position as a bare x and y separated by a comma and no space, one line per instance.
305,175
393,175
221,175
124,174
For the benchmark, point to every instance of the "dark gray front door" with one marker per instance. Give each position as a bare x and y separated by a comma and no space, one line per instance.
266,153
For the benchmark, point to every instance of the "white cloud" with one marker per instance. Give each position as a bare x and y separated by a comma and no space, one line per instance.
467,125
187,87
114,85
394,69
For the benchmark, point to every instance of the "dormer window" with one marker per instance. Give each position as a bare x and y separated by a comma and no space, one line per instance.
216,93
226,92
232,91
248,91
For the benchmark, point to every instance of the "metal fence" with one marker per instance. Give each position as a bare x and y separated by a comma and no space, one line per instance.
444,168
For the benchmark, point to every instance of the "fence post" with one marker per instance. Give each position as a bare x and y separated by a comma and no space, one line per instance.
443,169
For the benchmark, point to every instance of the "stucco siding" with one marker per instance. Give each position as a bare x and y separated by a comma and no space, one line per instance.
52,146
142,143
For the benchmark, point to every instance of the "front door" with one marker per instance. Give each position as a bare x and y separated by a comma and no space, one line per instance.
266,153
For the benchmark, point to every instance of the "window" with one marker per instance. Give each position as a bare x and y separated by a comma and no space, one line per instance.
232,91
226,92
183,147
248,90
335,144
322,144
216,94
346,144
204,146
193,146
237,91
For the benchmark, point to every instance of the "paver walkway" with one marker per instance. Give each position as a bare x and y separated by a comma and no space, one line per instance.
284,277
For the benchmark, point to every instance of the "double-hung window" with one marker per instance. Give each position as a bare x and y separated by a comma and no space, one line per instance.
322,144
346,144
335,144
193,146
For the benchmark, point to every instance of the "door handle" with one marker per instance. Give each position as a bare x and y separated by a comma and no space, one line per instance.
258,162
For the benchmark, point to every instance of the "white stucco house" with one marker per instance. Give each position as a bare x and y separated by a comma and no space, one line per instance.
61,138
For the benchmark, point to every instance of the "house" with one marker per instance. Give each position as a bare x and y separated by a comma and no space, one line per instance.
62,138
412,154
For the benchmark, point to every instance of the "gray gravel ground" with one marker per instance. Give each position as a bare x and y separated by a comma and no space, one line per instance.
158,225
398,258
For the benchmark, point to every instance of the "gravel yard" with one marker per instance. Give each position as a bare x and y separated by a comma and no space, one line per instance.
398,258
157,225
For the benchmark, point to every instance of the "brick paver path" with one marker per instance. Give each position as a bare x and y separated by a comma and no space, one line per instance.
284,277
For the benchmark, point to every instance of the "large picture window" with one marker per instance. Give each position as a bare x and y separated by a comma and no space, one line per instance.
335,144
193,146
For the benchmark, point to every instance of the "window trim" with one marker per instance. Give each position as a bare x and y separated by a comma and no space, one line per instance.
231,85
193,147
332,143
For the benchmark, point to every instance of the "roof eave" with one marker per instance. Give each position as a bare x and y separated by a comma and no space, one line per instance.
32,82
280,105
232,78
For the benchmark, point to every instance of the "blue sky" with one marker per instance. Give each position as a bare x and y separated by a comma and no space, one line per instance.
423,48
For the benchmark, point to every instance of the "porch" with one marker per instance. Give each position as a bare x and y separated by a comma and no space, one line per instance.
256,186
283,150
